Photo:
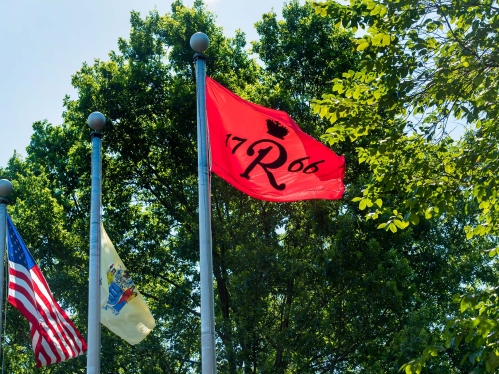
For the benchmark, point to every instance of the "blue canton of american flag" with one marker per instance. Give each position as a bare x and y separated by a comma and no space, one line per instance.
54,337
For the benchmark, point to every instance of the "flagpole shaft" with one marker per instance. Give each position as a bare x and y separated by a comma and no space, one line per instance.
5,190
208,353
3,218
94,305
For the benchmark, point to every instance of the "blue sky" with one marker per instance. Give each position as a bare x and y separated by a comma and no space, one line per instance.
44,42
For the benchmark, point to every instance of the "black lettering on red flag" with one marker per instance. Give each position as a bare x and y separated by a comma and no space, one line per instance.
262,153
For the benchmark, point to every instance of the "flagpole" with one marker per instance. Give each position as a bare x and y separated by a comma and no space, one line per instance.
199,43
5,190
96,122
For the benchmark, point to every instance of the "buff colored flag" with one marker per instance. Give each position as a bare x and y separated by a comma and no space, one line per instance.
124,310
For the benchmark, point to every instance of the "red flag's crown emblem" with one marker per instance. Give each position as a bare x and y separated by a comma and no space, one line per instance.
275,129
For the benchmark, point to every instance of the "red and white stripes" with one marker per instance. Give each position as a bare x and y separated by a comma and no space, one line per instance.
54,337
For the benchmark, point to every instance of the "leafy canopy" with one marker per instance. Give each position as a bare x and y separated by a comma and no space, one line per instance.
306,287
425,65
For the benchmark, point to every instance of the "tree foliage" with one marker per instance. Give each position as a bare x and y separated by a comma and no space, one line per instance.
425,65
306,287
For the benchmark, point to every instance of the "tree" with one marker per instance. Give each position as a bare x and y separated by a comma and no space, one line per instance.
305,287
149,188
425,64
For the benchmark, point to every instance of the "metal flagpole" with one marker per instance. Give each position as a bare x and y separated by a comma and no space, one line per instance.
199,43
5,190
96,122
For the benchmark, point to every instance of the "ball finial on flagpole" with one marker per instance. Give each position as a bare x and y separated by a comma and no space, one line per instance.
200,42
5,188
96,121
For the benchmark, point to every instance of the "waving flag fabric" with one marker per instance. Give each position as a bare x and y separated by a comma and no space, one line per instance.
264,153
54,337
124,310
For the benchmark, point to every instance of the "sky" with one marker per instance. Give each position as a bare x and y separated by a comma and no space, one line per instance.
43,43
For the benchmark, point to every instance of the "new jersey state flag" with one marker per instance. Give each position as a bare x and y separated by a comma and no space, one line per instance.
124,310
264,153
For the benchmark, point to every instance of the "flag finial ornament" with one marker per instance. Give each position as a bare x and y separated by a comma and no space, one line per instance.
200,42
96,121
5,188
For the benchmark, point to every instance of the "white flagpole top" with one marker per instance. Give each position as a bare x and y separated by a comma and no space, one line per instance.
96,121
5,188
200,42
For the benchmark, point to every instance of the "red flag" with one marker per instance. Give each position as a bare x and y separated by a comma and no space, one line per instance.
54,337
264,153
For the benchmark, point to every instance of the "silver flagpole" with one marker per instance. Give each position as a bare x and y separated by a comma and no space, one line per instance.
96,122
199,43
5,190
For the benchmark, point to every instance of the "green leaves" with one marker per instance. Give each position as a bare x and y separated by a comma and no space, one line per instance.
422,65
363,44
296,285
393,224
378,96
416,366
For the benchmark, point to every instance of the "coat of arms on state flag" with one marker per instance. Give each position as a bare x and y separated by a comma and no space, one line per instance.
265,154
124,310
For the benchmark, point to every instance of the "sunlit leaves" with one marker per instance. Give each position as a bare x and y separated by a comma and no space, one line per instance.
422,73
424,64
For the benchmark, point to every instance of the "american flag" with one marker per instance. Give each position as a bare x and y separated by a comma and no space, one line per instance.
54,337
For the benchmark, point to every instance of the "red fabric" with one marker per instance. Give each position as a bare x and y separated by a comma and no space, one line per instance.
54,336
264,153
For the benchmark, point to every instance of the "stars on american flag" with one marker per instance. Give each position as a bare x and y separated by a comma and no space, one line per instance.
18,254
